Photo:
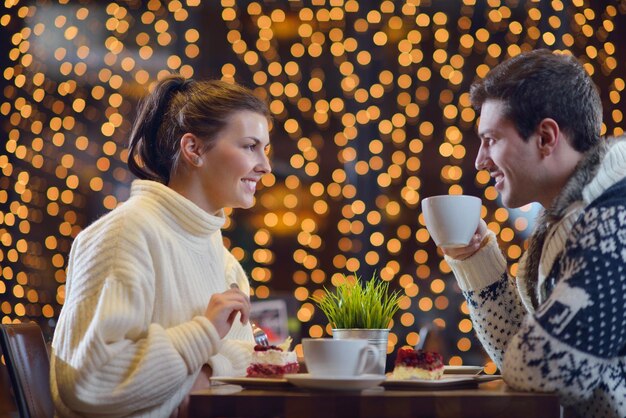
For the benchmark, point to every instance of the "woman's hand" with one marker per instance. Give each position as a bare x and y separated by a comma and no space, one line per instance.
224,307
475,244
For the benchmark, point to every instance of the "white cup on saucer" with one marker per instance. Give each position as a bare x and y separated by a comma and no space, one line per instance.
451,220
328,357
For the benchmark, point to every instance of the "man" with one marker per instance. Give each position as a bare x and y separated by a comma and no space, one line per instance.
561,324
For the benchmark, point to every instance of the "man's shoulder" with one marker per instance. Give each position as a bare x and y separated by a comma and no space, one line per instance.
604,218
612,196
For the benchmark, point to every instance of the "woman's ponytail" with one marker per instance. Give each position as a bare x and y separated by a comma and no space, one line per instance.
146,142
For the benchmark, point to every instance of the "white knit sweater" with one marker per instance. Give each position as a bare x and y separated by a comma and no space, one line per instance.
132,335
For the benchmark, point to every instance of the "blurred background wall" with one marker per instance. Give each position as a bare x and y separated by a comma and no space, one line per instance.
370,114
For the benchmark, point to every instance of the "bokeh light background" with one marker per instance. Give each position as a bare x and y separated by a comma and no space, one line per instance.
371,114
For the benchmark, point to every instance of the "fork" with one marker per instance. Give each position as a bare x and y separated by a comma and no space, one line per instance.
260,337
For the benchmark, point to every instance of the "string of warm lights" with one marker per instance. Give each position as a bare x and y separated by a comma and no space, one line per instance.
370,114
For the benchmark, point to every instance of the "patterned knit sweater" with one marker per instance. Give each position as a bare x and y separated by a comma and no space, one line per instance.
132,335
561,324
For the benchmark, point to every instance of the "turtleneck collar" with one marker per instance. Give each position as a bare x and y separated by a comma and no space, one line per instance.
177,210
612,169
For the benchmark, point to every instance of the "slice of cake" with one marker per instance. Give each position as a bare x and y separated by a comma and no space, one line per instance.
417,364
273,361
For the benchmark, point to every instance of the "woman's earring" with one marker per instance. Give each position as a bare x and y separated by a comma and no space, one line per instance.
196,160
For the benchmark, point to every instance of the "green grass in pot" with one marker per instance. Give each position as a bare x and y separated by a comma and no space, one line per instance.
355,305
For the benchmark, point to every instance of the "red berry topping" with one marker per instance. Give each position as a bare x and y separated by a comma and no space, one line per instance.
266,348
428,360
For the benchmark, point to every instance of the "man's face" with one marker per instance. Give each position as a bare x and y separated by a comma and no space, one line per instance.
512,162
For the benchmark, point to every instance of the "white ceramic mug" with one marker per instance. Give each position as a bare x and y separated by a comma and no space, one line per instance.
328,357
451,220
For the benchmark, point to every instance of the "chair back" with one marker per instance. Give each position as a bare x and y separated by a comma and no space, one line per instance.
432,338
26,357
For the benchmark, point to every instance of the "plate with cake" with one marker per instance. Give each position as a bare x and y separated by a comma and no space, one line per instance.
268,365
420,369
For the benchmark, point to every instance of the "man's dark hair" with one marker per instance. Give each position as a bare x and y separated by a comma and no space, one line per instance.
542,84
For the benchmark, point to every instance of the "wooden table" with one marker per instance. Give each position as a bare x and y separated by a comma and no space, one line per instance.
493,399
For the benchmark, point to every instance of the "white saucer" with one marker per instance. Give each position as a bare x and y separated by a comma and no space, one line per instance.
306,380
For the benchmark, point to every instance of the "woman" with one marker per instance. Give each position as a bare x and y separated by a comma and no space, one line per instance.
151,304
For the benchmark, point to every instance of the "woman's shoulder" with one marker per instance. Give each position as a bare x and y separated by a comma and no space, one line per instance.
131,219
117,244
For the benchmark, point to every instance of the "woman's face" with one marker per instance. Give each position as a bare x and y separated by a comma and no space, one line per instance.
235,162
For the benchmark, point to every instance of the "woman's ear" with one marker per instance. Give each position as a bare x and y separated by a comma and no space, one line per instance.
549,136
191,149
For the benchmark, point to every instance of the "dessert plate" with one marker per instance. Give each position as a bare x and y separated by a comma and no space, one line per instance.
448,381
253,382
308,381
472,370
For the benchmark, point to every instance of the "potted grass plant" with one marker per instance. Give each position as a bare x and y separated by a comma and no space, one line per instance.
361,310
